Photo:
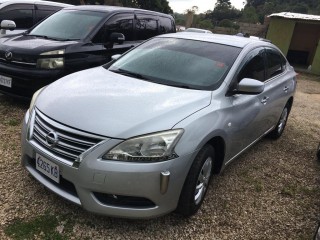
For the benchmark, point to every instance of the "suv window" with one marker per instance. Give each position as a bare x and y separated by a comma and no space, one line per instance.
254,69
275,64
146,26
21,14
121,23
165,25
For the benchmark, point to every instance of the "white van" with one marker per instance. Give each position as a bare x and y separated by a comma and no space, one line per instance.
24,14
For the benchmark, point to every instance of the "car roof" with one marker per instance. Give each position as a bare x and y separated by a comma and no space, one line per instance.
231,40
9,2
198,29
105,8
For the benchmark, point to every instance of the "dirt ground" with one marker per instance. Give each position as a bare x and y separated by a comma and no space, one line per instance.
270,192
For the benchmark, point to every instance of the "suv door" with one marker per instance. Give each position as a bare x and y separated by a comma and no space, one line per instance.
146,26
98,51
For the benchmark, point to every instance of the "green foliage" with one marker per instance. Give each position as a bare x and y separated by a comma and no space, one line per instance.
228,24
43,227
154,5
266,7
250,15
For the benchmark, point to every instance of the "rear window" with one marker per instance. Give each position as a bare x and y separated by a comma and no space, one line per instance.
180,62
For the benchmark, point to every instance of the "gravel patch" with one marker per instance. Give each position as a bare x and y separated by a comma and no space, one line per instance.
270,192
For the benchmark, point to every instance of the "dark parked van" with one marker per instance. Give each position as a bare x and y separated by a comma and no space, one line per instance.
73,39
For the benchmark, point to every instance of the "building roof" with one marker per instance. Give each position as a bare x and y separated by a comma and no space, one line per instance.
298,16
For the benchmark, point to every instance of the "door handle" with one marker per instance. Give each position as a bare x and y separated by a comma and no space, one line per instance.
285,89
265,100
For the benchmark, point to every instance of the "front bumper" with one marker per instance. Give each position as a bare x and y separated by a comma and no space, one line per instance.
121,189
25,80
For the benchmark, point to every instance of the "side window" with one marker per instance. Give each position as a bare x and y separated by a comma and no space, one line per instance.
121,23
165,25
274,63
254,69
146,26
20,14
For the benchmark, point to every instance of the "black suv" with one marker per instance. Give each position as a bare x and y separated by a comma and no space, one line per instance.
73,39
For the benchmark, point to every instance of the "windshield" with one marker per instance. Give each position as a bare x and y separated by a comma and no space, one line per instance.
68,25
179,62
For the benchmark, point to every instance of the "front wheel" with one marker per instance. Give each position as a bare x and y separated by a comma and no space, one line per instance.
318,152
277,132
196,183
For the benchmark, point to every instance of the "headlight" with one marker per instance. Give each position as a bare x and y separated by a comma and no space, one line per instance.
149,148
51,63
34,98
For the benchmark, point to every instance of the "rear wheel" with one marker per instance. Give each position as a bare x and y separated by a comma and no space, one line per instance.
277,132
196,183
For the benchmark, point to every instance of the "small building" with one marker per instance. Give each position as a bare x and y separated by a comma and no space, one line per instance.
297,35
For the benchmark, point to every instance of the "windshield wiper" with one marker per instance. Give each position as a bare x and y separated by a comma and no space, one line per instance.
128,73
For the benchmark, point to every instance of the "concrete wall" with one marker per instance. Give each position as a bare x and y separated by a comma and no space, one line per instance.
280,32
251,29
316,61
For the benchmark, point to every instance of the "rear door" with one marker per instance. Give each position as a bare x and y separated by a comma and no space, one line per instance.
278,86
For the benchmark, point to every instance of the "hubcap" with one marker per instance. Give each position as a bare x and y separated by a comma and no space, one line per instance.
203,180
282,121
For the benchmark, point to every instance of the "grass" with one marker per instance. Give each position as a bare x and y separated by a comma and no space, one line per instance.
43,227
257,184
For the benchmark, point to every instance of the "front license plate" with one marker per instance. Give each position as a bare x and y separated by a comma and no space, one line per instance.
5,81
47,167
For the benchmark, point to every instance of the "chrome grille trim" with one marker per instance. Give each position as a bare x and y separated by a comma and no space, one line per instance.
13,61
71,142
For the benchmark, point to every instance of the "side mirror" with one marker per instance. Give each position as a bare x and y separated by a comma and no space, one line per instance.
8,25
117,38
250,86
115,57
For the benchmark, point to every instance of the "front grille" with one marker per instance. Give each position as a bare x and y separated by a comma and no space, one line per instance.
71,143
18,63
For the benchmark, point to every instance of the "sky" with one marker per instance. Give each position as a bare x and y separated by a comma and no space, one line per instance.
181,5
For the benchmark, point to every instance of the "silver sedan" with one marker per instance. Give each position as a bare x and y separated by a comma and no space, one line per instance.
142,135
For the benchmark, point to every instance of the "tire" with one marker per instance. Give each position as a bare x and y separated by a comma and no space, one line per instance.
196,183
278,130
318,152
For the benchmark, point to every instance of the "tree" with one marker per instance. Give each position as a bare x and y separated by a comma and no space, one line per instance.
154,5
250,15
224,10
189,15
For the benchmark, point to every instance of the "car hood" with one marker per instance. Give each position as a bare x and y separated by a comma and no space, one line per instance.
109,104
27,43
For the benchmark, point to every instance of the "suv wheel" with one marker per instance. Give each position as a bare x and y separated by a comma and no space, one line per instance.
197,181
